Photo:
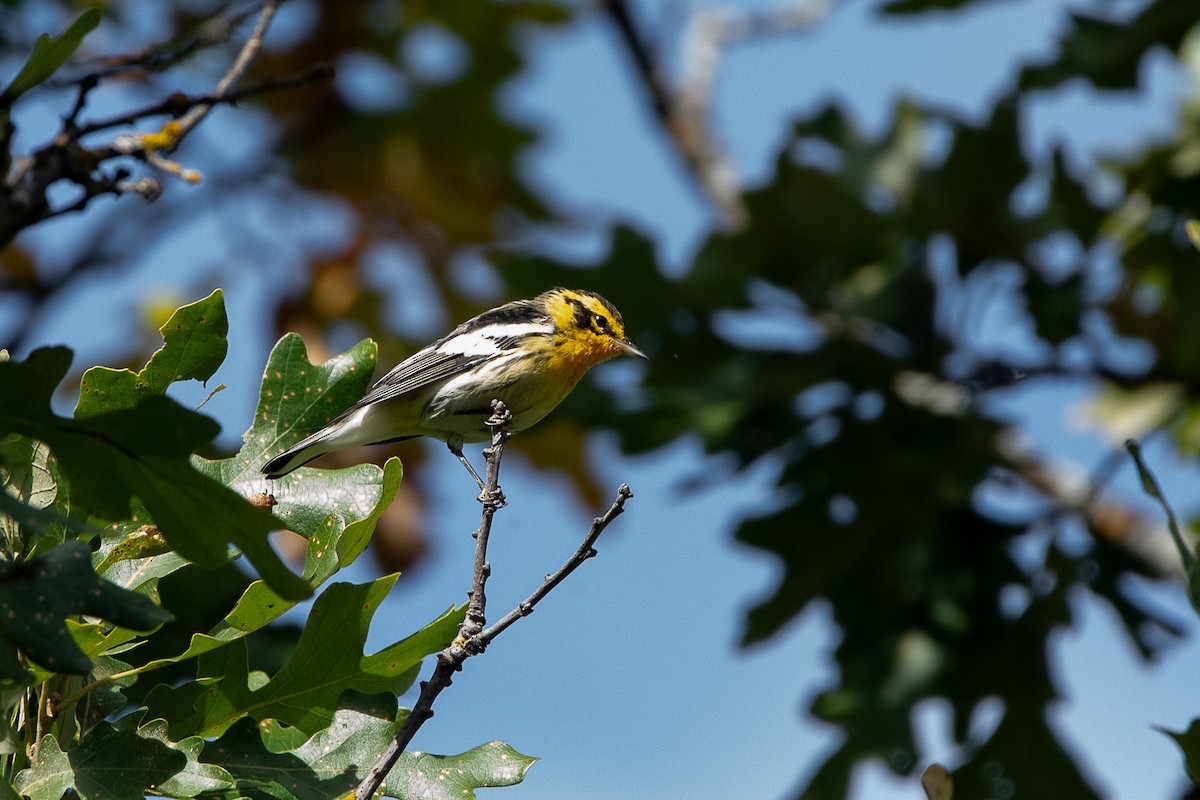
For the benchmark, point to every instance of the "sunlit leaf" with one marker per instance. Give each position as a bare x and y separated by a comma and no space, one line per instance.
423,776
193,348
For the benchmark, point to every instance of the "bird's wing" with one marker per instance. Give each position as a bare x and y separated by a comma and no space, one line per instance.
420,370
464,348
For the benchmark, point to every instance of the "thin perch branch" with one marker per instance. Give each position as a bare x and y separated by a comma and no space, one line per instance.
586,550
472,637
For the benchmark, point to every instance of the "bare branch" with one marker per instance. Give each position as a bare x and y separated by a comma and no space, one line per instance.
472,638
179,103
215,30
586,550
240,64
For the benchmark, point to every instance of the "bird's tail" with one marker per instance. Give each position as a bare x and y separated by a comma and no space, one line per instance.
300,454
357,426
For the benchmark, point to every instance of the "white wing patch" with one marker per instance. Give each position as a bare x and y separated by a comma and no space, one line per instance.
482,342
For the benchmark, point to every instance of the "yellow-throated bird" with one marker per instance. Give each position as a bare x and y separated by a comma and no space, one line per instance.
528,354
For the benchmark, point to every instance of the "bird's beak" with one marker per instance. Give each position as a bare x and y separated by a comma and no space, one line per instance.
629,348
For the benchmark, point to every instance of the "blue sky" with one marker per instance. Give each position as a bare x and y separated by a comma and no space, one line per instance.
627,681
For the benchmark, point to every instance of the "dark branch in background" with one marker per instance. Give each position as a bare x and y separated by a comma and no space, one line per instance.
179,103
24,199
215,30
473,638
1117,523
684,111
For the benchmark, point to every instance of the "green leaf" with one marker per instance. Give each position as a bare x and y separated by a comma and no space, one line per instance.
27,471
138,558
50,53
37,595
328,660
194,346
112,457
334,760
330,763
33,516
195,777
329,657
107,765
108,698
1189,743
50,776
93,640
335,543
422,776
297,398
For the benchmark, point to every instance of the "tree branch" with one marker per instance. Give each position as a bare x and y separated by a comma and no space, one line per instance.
24,200
245,58
214,30
472,638
179,103
585,551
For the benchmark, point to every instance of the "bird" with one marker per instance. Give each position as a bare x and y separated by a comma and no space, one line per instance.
529,354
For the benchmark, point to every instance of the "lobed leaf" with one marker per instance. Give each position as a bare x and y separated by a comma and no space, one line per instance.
298,397
195,777
50,776
334,760
423,776
194,346
107,765
334,544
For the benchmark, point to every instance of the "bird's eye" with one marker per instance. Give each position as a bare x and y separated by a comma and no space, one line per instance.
601,322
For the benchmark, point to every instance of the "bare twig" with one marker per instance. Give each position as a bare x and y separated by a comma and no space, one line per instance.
178,103
214,30
684,112
472,637
236,70
586,550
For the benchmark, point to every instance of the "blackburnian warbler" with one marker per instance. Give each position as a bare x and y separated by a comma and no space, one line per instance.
528,354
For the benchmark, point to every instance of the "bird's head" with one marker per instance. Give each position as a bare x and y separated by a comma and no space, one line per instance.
590,328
